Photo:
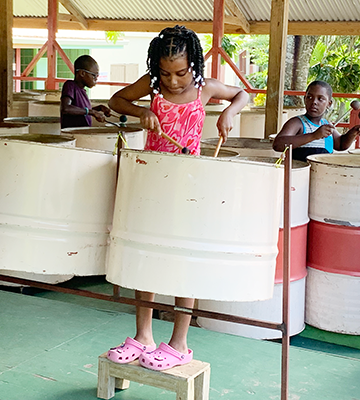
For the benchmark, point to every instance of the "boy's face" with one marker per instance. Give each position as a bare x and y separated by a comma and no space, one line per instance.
317,101
89,76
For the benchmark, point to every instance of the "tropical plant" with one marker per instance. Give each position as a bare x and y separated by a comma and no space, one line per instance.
336,60
113,36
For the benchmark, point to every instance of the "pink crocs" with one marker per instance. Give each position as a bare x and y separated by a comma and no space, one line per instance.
128,351
164,357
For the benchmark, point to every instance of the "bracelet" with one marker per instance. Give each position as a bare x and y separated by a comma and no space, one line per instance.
86,111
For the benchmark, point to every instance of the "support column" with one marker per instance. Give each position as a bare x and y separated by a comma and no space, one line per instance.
17,69
218,33
53,6
6,73
277,52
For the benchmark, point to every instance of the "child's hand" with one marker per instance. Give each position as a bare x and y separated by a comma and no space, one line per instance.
324,131
150,121
103,109
98,115
225,124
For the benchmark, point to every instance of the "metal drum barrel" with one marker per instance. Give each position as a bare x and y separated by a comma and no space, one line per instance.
105,137
247,147
333,285
271,310
9,128
195,226
56,206
48,125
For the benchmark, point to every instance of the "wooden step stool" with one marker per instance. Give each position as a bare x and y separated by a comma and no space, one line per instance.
190,381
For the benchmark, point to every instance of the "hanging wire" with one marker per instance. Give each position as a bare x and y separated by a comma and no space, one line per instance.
281,158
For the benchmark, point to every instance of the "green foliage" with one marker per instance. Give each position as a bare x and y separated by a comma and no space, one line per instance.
337,62
257,47
258,79
113,36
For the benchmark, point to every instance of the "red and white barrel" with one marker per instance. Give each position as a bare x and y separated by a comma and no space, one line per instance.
271,310
333,285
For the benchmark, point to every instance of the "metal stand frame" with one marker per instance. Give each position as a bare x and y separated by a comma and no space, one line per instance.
283,327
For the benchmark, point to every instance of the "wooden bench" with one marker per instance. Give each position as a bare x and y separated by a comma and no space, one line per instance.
190,381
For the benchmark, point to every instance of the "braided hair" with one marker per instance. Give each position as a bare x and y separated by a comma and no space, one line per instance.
173,42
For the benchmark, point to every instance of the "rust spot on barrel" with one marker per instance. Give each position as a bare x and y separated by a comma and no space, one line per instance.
139,161
71,253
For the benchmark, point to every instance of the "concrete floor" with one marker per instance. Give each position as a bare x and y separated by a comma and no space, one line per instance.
49,344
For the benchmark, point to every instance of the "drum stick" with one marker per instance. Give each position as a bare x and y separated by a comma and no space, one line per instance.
220,142
354,105
184,150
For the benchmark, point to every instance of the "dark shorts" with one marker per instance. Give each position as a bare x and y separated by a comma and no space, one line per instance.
301,153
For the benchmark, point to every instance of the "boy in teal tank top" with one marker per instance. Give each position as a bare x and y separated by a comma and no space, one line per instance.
311,133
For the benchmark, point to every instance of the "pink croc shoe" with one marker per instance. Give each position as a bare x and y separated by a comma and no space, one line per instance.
164,357
128,351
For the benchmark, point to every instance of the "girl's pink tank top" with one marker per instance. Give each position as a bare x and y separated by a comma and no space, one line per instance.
182,122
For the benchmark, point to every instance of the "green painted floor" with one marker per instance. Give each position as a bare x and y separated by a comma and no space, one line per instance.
49,344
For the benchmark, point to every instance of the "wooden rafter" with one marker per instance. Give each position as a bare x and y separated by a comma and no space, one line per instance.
237,18
256,28
75,13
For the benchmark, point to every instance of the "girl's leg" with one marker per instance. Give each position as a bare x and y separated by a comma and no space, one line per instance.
178,339
144,319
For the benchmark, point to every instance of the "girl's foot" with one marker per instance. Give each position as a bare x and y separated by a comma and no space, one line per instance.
164,357
128,351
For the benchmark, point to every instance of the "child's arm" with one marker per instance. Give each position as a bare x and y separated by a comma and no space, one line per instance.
238,99
343,142
68,108
104,109
292,133
122,103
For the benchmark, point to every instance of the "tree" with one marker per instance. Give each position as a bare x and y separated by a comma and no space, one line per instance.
336,60
298,54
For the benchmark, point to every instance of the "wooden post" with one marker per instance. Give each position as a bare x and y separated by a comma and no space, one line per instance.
277,52
53,6
218,33
6,75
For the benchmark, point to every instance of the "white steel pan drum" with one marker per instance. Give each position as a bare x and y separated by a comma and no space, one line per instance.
195,226
56,206
246,147
105,137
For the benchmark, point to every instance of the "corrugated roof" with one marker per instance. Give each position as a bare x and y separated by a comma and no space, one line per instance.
195,10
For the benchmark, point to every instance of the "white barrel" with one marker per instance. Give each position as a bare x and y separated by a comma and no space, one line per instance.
333,301
209,152
252,122
12,128
210,129
181,229
45,94
268,310
247,147
56,205
48,125
335,189
105,137
354,151
57,140
44,108
271,310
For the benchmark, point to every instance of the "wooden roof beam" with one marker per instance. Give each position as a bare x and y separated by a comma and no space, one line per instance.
67,21
237,18
75,13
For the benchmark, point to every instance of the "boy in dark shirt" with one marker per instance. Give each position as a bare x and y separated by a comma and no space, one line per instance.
75,109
